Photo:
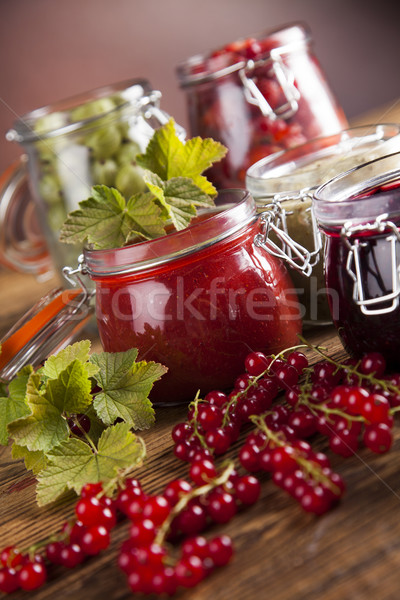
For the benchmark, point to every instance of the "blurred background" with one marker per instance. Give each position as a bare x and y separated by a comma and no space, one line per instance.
50,49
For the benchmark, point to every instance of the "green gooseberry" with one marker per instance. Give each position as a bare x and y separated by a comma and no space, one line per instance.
92,109
50,122
129,180
104,172
127,153
56,216
104,142
50,189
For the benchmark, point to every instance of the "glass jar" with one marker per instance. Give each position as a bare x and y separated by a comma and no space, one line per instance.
359,213
197,300
22,244
284,183
92,138
258,96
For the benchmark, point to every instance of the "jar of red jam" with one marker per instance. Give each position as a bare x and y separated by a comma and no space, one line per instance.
359,213
197,300
284,183
258,96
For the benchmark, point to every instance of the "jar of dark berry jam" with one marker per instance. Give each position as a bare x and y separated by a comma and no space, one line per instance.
359,213
197,300
258,96
283,183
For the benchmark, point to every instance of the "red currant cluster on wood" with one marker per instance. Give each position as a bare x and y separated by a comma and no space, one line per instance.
150,556
350,402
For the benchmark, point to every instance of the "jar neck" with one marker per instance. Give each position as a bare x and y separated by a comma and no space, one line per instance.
220,63
131,94
234,210
361,195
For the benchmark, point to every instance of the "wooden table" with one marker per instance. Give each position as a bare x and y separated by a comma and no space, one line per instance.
282,553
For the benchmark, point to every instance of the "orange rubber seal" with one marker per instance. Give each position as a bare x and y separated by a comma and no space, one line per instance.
20,338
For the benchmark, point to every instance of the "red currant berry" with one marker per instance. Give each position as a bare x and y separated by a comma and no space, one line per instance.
71,556
32,575
11,557
95,539
195,546
189,571
216,398
247,489
286,376
8,580
373,363
378,438
298,360
218,440
256,363
142,533
157,509
376,410
176,489
221,507
249,456
209,416
53,552
220,550
344,443
203,471
181,432
192,520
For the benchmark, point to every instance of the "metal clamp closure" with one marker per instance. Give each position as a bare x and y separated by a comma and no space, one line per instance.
285,78
274,220
372,306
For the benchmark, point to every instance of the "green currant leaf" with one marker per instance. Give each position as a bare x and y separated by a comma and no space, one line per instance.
60,361
70,392
14,405
107,221
73,463
125,388
45,427
167,156
34,461
179,196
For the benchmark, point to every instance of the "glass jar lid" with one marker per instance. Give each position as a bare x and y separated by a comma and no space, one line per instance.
83,110
299,170
360,196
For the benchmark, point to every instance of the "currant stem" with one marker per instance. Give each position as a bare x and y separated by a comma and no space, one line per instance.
184,501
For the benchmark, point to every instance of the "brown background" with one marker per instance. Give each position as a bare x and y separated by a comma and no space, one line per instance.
51,49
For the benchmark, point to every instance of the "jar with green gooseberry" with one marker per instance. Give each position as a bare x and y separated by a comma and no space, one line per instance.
86,140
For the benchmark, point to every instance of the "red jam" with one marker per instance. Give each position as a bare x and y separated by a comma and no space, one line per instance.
197,300
366,319
276,101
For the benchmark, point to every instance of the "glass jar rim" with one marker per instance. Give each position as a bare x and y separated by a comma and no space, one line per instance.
215,69
302,164
235,209
344,198
134,90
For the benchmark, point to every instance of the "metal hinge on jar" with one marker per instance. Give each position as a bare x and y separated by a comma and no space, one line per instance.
372,306
273,221
297,256
284,77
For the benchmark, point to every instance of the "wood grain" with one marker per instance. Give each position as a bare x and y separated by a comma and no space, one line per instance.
352,553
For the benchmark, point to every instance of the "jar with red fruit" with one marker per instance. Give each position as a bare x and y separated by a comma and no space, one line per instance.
196,300
359,213
258,96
